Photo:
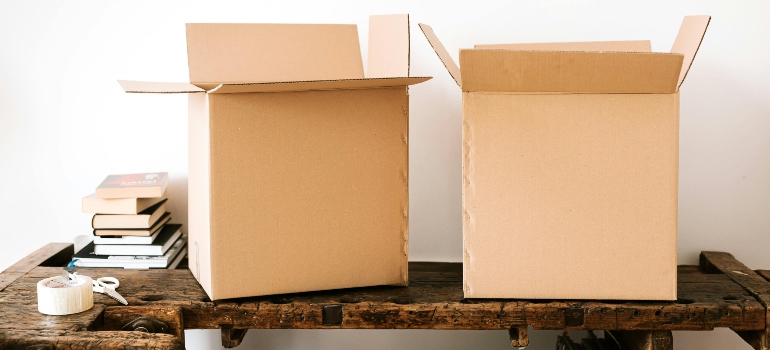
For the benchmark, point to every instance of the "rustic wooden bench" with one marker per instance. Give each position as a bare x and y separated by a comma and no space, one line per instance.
721,292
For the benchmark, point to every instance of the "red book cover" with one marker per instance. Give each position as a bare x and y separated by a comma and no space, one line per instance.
145,185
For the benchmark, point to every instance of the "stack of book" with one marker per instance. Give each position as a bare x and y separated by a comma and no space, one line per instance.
131,225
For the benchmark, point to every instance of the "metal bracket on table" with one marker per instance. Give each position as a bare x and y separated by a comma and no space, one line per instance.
147,325
331,315
574,317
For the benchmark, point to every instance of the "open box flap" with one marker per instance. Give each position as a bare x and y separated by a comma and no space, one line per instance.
688,41
388,46
627,46
240,53
442,53
569,71
340,84
149,87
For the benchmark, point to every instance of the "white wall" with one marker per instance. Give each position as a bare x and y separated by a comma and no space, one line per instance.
65,123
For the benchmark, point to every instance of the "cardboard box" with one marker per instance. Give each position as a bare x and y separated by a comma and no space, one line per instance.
298,163
570,166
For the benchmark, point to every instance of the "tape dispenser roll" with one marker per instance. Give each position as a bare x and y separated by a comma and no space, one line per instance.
60,296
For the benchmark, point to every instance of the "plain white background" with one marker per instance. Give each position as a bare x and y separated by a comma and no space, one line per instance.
65,123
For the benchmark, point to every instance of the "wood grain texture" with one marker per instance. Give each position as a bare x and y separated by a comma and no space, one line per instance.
725,263
764,273
26,316
433,300
755,284
66,340
51,253
115,317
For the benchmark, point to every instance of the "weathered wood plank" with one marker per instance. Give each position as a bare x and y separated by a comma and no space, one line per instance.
753,283
115,317
62,258
138,286
727,264
26,316
64,340
686,278
764,273
433,300
51,252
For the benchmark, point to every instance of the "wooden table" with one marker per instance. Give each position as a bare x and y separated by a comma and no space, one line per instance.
721,292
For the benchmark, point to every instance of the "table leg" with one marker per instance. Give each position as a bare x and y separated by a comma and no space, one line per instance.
232,337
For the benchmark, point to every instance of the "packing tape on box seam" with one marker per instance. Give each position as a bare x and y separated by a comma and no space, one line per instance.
55,297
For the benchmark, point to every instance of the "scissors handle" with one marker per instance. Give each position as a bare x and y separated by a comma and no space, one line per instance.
109,282
106,286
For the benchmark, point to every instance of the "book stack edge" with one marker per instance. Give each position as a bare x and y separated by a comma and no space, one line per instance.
131,225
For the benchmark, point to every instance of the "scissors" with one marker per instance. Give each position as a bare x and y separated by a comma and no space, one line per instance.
107,286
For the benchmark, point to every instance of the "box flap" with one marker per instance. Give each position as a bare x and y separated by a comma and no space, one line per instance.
240,53
569,71
627,46
688,41
442,53
152,87
340,84
388,46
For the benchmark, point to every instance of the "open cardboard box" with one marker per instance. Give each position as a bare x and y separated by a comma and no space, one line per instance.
570,166
298,163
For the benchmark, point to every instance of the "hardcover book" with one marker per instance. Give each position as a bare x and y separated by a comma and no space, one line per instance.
173,256
177,260
168,235
145,185
135,231
145,219
127,239
93,204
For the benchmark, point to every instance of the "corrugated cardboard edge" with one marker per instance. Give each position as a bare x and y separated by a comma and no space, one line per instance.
674,286
388,46
443,54
466,169
338,84
497,70
688,41
279,86
625,45
408,46
199,186
149,87
405,229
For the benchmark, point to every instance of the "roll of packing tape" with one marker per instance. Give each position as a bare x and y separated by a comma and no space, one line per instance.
56,297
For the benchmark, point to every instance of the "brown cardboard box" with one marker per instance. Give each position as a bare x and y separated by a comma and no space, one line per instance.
570,166
298,163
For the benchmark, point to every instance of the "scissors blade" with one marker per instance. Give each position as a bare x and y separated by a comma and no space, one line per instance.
115,295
